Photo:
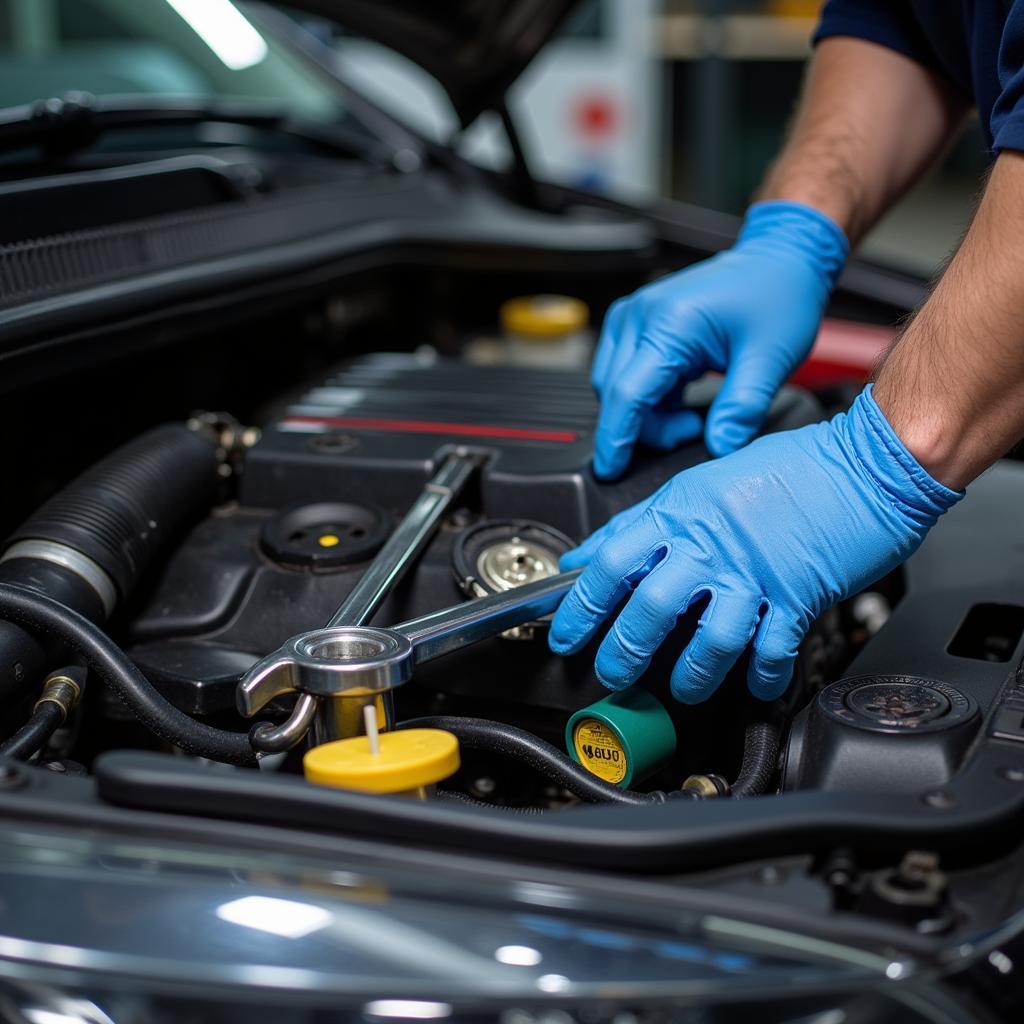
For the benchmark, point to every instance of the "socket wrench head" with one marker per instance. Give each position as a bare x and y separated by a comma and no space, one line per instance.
341,658
329,663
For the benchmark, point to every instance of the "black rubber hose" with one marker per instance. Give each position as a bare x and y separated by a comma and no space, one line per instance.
481,734
42,615
760,758
117,514
34,734
462,798
122,510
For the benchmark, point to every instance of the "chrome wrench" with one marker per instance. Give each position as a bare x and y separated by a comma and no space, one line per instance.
337,659
399,553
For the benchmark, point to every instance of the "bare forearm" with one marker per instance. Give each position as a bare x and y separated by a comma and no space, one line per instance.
953,384
869,123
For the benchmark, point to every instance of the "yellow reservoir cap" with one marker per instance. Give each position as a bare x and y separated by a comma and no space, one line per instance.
544,316
408,760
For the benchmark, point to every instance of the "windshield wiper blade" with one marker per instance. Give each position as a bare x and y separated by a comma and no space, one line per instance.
62,125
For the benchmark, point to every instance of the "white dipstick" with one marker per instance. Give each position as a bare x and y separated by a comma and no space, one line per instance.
370,719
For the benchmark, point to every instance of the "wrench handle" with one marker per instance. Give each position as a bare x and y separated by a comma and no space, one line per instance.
450,629
406,544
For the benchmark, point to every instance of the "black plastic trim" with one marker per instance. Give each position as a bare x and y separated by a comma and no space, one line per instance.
34,797
982,809
398,220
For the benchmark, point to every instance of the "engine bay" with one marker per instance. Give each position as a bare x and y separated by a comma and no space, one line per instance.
285,519
278,561
286,492
151,568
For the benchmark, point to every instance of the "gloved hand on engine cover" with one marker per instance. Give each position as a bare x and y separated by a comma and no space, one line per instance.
751,312
773,534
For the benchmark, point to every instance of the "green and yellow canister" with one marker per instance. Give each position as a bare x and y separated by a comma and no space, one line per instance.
623,738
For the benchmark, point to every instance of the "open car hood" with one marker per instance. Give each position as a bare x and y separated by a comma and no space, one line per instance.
474,48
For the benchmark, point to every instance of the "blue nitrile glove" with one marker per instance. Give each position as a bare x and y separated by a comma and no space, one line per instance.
751,312
774,534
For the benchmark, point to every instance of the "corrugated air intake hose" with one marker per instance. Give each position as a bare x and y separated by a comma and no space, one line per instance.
88,545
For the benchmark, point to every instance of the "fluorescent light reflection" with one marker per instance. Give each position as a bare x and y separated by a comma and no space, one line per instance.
37,1015
552,983
225,30
286,918
518,956
407,1009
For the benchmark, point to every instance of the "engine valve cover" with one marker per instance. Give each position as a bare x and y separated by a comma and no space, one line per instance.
339,466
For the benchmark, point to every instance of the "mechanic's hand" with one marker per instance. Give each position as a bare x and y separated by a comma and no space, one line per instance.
773,534
752,312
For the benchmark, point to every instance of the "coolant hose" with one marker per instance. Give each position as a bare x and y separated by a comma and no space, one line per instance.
98,652
760,758
34,734
543,757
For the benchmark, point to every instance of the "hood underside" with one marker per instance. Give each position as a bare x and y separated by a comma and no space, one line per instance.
475,48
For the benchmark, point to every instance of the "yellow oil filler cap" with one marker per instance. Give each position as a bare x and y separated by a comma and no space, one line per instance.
403,762
544,316
623,738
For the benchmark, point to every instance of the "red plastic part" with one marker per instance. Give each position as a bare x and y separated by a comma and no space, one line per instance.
844,353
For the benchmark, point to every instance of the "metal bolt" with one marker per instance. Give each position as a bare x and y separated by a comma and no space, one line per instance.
333,444
484,786
705,787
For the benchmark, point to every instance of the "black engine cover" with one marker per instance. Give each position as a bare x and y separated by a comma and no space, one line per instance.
370,437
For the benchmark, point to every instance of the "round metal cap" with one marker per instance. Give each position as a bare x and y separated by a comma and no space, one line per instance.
906,704
896,704
501,554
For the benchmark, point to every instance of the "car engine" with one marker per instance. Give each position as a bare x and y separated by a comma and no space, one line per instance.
205,547
287,554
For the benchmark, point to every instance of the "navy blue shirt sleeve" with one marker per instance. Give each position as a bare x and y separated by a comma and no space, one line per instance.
1007,120
888,23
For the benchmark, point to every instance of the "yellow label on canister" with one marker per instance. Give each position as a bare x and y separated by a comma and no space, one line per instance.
599,750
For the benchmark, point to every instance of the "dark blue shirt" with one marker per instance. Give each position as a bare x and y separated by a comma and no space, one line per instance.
978,45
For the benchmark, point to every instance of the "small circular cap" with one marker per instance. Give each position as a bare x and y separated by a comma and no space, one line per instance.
325,535
623,738
544,316
408,759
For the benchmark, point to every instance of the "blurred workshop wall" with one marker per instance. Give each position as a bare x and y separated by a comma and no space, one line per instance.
589,108
733,73
682,98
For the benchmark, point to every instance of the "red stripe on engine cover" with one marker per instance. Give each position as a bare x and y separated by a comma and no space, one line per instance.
426,427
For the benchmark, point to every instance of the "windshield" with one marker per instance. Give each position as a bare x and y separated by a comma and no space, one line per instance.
180,48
